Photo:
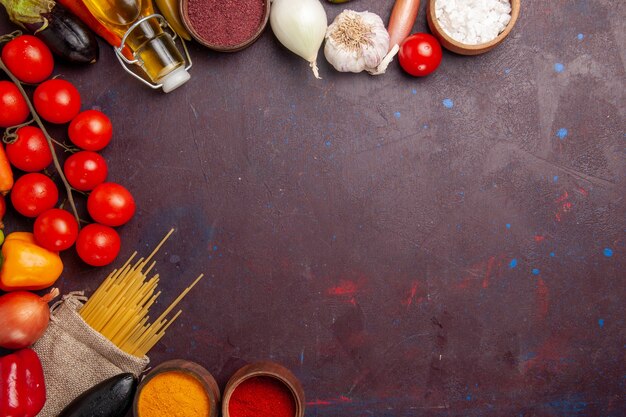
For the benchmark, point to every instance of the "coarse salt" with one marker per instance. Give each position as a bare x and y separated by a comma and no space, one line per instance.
473,22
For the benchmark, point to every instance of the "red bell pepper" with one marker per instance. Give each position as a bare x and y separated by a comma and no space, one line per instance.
22,387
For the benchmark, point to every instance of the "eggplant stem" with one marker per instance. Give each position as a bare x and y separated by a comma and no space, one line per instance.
55,159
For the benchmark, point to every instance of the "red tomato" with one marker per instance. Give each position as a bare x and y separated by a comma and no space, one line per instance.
33,194
30,152
98,245
55,230
57,101
28,58
111,204
91,130
420,54
13,107
85,170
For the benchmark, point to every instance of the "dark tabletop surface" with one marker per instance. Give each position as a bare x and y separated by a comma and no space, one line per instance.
446,246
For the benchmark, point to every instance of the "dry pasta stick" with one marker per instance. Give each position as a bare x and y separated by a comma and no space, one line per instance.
119,308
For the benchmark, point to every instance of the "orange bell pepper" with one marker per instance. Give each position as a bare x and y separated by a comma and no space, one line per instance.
26,265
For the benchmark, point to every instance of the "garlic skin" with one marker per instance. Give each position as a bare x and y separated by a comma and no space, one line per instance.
356,41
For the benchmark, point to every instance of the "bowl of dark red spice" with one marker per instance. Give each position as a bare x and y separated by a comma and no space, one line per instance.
263,389
225,25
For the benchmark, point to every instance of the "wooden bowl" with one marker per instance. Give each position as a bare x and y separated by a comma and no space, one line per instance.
464,49
187,367
184,14
268,369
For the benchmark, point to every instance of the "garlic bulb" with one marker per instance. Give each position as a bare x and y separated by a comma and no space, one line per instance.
356,41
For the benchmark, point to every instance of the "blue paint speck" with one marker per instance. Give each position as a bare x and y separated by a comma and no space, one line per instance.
552,254
580,36
414,91
601,323
561,133
469,397
608,252
425,126
535,271
507,71
555,178
448,103
215,248
397,115
327,144
508,225
301,357
558,67
513,263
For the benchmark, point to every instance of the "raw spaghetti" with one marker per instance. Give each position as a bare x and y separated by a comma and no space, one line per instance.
119,308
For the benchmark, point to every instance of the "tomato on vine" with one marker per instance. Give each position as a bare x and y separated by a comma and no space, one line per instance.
30,151
55,230
98,245
111,204
34,193
57,101
85,170
28,58
91,130
13,107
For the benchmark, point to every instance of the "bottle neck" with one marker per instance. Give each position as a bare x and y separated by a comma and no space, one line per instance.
154,49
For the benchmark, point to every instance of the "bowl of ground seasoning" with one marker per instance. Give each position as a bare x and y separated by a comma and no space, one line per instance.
225,25
177,388
263,389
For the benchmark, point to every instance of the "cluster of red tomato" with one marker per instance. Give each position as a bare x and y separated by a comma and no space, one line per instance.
35,194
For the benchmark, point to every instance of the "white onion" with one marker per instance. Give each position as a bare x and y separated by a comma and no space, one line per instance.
300,25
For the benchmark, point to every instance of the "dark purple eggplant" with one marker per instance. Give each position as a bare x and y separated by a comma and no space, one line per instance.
66,35
110,398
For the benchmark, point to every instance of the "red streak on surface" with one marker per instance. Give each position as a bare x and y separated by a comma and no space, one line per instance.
344,288
562,198
482,273
583,191
409,300
319,402
539,238
490,263
543,298
341,399
564,206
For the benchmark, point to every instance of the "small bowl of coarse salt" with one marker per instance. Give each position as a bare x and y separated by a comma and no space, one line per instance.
472,27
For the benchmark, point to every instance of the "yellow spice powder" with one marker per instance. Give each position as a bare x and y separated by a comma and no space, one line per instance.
173,394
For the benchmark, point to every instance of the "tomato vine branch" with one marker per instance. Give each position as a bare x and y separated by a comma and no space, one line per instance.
51,142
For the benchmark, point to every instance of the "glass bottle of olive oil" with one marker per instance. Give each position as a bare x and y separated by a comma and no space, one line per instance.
154,49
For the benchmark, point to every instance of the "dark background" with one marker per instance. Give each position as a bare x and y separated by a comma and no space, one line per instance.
446,246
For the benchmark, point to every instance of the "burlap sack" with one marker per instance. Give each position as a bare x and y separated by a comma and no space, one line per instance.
75,357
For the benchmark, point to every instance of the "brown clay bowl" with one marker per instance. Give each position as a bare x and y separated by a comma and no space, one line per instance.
189,368
184,14
265,368
464,49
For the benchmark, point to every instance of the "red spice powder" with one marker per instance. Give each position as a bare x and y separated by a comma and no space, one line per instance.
262,396
226,22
